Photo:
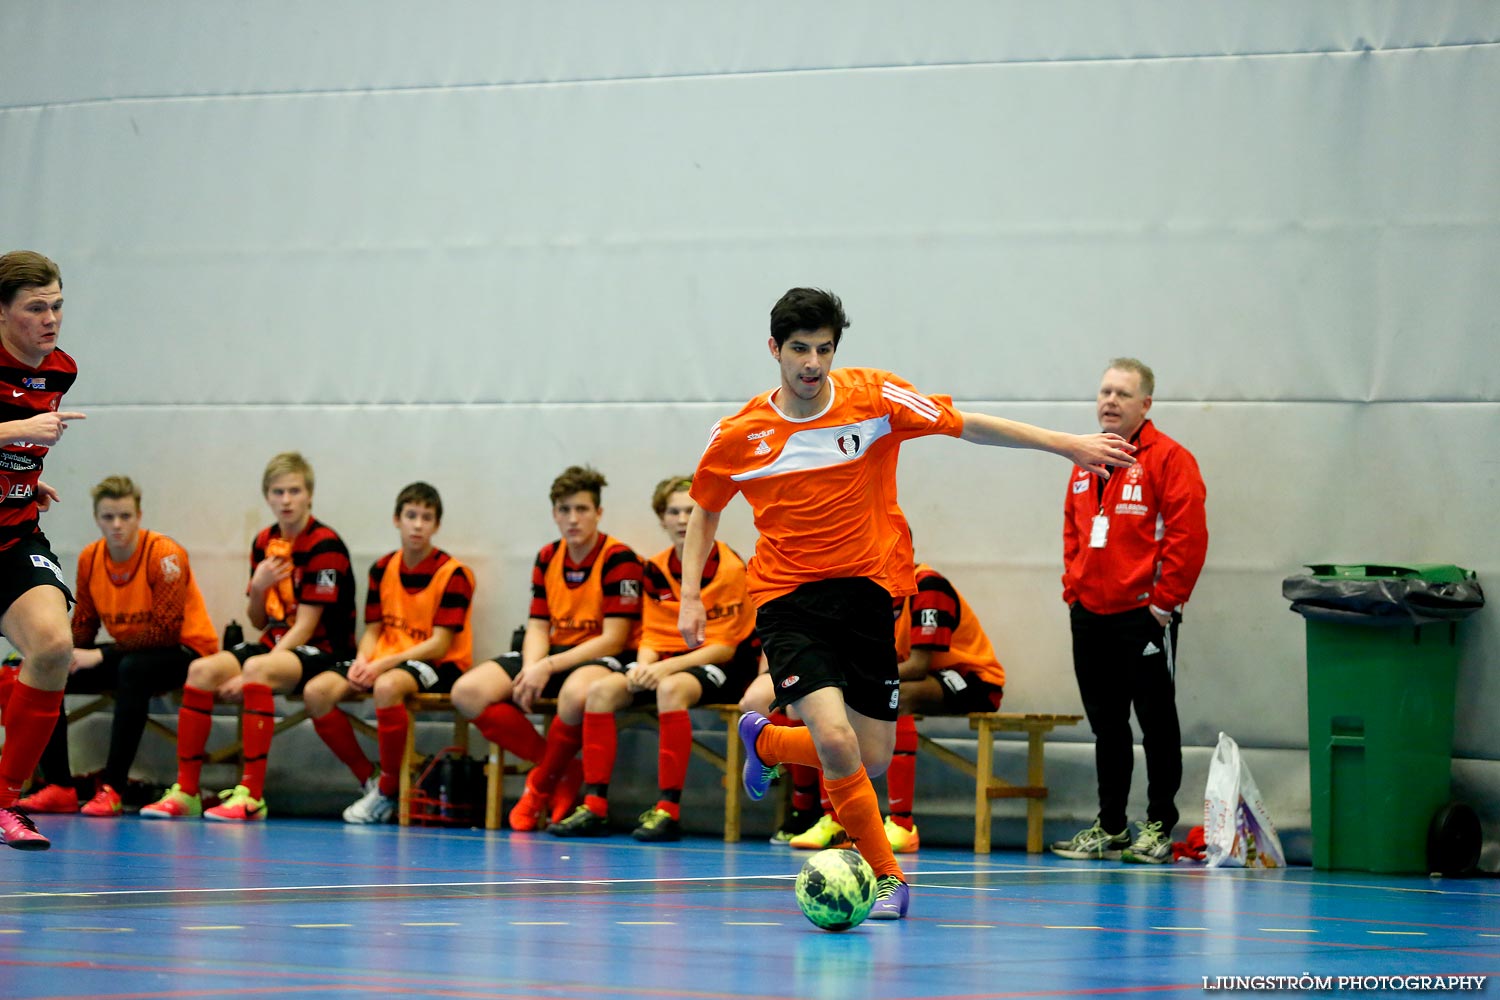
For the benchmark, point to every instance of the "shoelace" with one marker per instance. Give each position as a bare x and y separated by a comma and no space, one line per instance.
22,818
885,887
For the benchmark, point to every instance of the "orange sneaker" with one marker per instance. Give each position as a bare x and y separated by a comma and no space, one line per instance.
565,795
176,804
238,807
106,802
526,815
50,799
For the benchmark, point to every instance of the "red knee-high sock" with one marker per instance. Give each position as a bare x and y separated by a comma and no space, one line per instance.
787,745
8,678
901,777
29,719
600,743
672,754
336,731
506,726
390,733
859,813
563,742
259,721
804,786
195,720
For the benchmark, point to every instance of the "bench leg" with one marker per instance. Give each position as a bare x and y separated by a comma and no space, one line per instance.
734,766
494,786
1036,778
984,769
408,761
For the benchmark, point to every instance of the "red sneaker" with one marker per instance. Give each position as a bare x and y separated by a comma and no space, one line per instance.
526,815
18,831
565,795
50,799
106,802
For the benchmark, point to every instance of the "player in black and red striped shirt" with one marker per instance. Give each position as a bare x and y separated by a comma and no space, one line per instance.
585,620
34,600
301,597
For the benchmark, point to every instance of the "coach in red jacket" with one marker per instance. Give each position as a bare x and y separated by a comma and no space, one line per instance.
1133,545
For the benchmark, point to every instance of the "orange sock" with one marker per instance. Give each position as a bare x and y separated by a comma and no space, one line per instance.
859,812
786,745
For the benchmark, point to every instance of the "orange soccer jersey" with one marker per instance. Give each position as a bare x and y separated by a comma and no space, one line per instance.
731,619
937,618
410,601
148,601
823,488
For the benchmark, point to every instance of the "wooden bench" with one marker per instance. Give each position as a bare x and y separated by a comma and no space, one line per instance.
730,764
986,726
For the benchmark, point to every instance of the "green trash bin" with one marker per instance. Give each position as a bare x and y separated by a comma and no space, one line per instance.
1382,666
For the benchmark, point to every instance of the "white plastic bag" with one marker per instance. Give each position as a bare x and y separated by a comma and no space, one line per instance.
1237,828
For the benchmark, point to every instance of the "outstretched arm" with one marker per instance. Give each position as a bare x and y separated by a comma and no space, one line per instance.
1095,452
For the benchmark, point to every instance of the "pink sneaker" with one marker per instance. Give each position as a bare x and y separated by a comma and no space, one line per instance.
18,831
106,802
50,799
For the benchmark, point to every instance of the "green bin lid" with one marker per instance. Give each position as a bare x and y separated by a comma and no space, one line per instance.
1432,572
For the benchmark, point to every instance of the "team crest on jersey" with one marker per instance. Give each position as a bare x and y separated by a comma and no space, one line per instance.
1079,485
630,590
849,444
928,618
170,570
33,383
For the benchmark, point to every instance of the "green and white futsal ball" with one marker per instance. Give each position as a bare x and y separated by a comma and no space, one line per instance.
836,889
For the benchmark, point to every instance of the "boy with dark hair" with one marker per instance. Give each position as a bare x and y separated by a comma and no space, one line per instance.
666,673
34,600
139,586
416,639
301,597
816,460
585,617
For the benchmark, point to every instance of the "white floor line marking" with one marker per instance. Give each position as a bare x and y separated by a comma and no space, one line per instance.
646,923
1490,935
1071,927
216,927
539,923
727,923
1287,930
93,930
1401,933
10,930
478,885
431,923
316,926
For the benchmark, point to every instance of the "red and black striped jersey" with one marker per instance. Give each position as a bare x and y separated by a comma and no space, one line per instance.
938,619
438,592
321,574
575,598
726,601
24,393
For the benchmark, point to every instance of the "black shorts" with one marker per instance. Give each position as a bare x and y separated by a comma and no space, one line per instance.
28,564
511,664
313,660
430,679
833,633
722,683
963,694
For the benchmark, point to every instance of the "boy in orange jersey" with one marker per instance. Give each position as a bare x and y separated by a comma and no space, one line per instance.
34,600
666,673
416,638
139,586
947,667
585,619
816,460
301,597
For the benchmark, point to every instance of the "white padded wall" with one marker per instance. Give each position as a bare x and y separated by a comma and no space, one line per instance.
482,242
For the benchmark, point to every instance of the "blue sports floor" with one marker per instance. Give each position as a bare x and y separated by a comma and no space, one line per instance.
133,909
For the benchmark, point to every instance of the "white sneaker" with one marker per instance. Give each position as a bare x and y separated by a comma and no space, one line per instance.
372,807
